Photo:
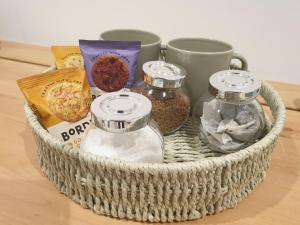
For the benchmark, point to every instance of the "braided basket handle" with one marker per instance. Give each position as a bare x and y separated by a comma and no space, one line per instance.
275,102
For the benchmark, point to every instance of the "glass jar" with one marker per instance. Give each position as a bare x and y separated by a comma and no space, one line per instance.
121,128
163,86
231,118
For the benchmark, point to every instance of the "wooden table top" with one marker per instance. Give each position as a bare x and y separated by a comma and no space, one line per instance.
27,197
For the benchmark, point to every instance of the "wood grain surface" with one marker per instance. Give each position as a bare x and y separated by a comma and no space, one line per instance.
32,54
27,197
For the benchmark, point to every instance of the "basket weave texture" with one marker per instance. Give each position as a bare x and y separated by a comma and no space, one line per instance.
192,182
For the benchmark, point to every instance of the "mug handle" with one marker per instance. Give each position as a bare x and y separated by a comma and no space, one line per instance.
163,52
242,59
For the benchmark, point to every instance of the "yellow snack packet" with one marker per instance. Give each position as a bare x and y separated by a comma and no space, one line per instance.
67,56
61,100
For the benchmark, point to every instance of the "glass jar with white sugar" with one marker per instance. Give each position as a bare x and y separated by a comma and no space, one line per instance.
122,129
231,118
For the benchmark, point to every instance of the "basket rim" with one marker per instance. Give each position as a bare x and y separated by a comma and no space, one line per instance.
268,93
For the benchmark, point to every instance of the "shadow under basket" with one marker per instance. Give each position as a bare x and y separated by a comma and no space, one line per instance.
192,182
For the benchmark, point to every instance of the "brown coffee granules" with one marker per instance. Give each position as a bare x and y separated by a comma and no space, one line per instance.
170,107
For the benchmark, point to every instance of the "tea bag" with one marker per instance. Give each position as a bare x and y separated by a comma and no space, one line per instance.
211,118
228,111
246,113
229,126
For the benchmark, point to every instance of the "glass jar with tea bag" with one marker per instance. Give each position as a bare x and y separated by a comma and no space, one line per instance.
231,118
163,86
122,129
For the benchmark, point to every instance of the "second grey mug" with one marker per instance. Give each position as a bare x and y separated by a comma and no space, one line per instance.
201,58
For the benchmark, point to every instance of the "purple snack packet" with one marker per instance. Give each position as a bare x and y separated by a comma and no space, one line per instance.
109,65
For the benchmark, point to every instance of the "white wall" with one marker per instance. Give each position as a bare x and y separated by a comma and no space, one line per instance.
266,32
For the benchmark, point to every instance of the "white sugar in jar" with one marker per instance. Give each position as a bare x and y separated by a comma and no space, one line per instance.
122,129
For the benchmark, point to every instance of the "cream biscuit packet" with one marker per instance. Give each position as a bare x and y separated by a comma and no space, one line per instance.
67,56
61,100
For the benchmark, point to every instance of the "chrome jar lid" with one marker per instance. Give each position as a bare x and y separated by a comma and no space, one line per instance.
121,111
234,86
163,75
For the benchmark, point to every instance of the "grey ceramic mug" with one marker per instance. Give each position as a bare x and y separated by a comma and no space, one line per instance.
150,45
201,58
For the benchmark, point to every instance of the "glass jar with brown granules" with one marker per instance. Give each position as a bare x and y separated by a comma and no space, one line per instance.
163,86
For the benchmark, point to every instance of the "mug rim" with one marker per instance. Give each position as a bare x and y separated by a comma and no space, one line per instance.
200,52
135,30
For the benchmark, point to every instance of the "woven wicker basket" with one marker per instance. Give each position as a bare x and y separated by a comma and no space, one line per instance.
193,181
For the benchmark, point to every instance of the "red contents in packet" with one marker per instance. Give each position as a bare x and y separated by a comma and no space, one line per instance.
110,73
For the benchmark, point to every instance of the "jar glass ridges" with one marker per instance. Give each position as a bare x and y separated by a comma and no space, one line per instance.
163,86
122,129
231,118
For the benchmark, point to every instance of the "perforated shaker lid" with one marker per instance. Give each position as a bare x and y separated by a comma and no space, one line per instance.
234,85
121,111
163,75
